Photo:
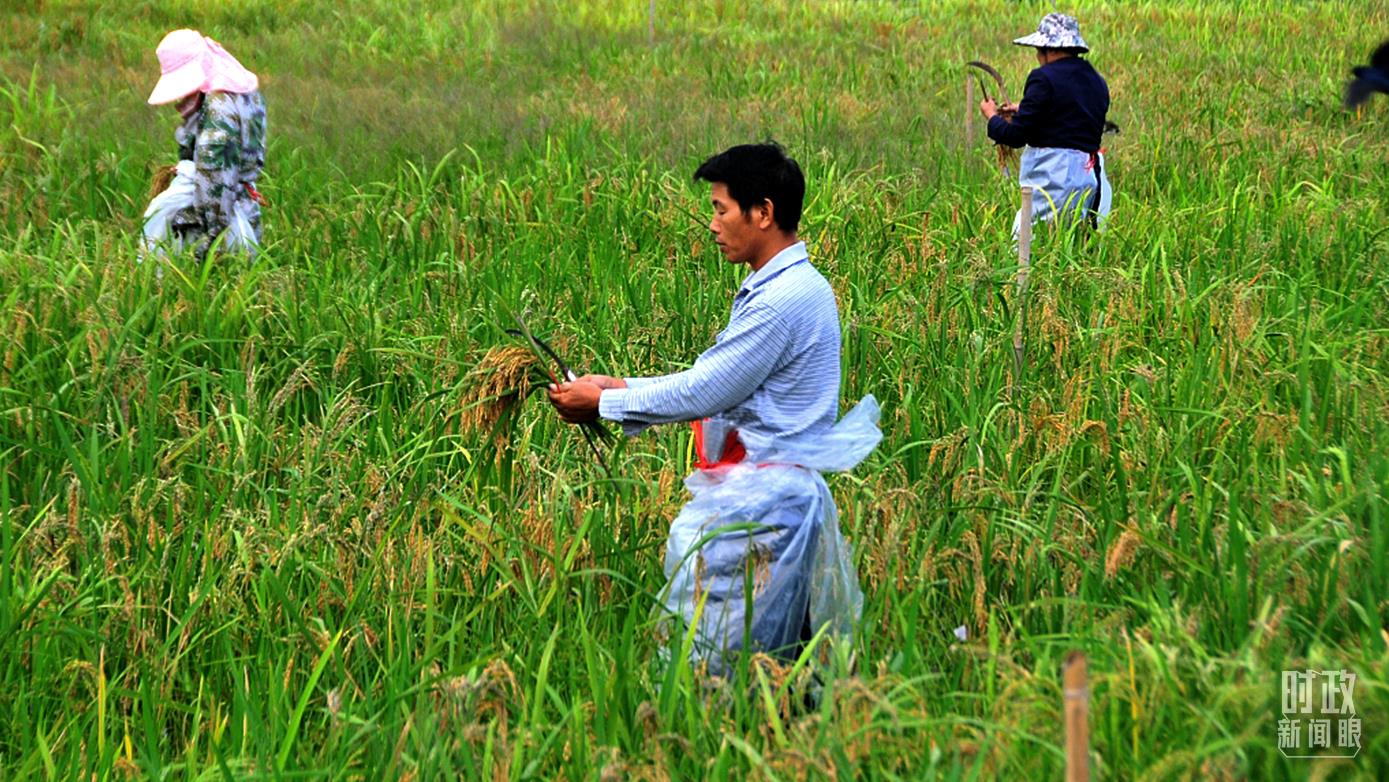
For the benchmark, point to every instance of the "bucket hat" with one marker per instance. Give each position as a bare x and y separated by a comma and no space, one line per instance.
1055,31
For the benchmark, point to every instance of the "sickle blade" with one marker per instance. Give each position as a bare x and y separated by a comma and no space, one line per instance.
592,430
539,345
998,79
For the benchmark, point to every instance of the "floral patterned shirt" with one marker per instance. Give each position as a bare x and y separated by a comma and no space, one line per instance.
225,139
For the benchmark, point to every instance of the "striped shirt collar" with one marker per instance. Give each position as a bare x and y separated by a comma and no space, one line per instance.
791,256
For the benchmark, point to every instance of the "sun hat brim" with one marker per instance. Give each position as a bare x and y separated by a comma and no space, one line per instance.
179,83
1039,41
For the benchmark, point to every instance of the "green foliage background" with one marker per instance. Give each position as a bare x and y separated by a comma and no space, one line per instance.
245,534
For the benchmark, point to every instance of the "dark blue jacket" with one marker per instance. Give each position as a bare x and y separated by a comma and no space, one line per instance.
1063,105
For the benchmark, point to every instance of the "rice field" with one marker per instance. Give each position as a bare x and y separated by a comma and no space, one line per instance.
254,523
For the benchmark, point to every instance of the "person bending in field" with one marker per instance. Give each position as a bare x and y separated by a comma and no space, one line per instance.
221,150
762,402
1060,120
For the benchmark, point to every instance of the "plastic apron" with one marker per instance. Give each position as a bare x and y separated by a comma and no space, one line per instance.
159,234
159,215
1063,181
762,522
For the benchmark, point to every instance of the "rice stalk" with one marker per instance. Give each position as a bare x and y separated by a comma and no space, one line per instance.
497,384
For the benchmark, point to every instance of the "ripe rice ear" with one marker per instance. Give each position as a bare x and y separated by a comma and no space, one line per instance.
163,175
496,384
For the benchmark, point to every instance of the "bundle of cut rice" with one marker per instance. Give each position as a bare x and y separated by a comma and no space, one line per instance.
163,175
505,375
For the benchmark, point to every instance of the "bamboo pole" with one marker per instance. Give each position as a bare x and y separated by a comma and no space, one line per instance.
1024,261
1075,680
969,110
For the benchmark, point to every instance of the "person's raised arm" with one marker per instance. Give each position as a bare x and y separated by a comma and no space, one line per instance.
1018,131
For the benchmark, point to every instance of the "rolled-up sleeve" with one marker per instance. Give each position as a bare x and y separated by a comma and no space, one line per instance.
746,353
1018,131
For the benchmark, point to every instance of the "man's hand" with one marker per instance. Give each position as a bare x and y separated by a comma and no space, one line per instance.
988,107
577,402
603,381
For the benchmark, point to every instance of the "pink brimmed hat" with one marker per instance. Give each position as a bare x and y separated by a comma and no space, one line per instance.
191,62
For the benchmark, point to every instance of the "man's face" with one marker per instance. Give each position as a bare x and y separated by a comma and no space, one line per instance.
735,231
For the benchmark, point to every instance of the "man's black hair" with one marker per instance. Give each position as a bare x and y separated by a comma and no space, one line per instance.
755,173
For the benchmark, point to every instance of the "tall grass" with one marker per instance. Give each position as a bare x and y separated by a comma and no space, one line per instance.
246,534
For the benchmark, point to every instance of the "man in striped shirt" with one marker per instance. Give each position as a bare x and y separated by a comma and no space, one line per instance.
766,390
775,369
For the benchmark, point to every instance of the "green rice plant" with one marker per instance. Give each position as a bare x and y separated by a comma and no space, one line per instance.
244,534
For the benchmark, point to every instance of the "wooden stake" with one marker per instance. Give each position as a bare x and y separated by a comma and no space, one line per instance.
969,110
1024,261
651,23
1076,683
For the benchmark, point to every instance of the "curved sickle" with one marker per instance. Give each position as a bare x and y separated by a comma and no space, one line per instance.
539,344
989,69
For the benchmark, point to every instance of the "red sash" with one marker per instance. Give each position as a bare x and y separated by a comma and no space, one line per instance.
732,453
